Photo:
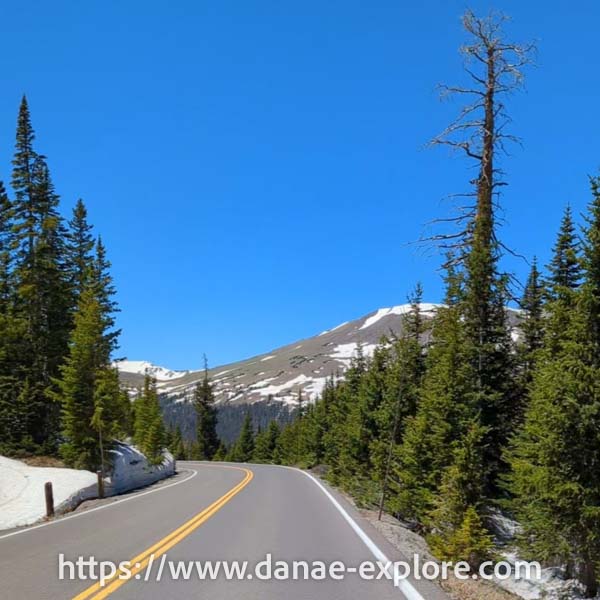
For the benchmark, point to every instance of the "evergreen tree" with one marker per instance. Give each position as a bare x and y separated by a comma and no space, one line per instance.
148,430
591,268
206,418
77,387
6,216
102,283
39,276
177,446
555,481
79,250
532,328
565,266
244,446
457,527
447,403
221,454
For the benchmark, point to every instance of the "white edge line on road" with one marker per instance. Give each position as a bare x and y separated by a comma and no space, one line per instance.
404,585
91,510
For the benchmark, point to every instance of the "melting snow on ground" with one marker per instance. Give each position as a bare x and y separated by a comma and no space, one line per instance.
22,500
347,351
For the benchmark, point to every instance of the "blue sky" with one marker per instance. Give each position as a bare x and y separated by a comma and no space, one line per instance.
258,168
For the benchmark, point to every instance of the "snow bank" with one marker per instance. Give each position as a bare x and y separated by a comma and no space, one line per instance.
22,500
131,469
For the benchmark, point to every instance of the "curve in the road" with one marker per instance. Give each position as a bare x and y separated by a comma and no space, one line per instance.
99,590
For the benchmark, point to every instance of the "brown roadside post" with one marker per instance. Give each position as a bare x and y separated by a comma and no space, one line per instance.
49,499
100,484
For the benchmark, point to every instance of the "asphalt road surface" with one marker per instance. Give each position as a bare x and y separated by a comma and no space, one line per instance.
212,511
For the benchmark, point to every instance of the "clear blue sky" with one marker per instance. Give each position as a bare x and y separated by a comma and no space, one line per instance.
256,168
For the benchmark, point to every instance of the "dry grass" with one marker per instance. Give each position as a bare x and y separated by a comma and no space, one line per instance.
43,461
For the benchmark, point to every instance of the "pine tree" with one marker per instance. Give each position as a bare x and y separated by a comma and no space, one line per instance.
591,267
565,266
402,388
77,386
532,329
102,283
39,276
221,454
79,250
554,479
6,217
206,418
446,404
457,526
177,446
532,324
148,429
244,446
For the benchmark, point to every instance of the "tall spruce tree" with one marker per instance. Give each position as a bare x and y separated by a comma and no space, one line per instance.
6,217
79,249
565,266
207,440
103,285
39,276
554,480
243,449
148,430
591,267
532,330
77,386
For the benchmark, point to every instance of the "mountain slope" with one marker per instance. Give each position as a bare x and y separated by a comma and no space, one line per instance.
280,375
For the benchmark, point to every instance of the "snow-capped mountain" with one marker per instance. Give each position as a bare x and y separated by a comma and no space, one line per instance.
281,374
141,367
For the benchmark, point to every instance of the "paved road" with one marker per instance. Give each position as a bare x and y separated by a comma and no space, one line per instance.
214,512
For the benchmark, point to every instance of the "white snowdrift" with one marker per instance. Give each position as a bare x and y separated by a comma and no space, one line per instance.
22,490
22,500
131,469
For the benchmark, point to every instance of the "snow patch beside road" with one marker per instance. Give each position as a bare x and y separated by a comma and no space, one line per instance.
22,499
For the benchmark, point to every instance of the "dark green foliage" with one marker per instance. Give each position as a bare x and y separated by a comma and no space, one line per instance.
79,251
532,323
148,429
565,266
88,390
265,444
554,480
102,284
207,441
458,532
176,445
243,449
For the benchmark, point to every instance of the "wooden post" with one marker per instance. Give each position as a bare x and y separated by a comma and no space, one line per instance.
100,484
49,499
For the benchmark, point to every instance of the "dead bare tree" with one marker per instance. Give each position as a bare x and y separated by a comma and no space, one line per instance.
494,67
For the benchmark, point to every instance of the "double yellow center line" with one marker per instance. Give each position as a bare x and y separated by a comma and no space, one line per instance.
140,562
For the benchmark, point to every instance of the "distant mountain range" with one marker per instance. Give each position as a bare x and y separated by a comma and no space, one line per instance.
269,385
283,373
